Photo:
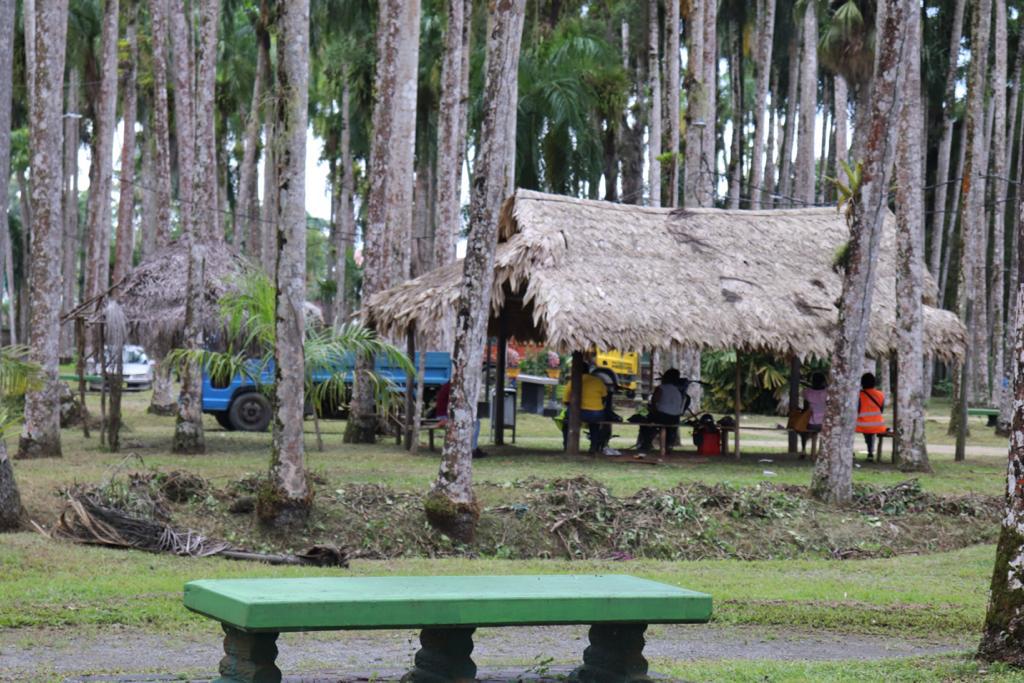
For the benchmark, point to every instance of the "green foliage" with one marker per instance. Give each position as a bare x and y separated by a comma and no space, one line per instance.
18,375
765,380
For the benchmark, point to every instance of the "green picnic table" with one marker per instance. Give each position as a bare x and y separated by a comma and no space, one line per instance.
447,609
991,413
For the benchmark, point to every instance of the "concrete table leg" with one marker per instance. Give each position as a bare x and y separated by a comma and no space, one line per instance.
615,655
444,657
248,657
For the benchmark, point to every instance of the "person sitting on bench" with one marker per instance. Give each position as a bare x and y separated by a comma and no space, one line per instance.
593,392
669,403
441,415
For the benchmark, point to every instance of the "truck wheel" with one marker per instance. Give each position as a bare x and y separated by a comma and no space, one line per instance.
250,412
221,416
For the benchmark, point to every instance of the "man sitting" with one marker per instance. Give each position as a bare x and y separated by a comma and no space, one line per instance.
669,402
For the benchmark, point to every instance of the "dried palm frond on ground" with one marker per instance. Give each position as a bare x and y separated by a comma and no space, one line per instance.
87,518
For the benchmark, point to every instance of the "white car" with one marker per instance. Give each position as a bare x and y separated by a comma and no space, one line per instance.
137,369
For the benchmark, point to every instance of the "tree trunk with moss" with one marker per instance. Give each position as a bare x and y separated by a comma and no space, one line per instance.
188,430
388,228
288,467
208,218
161,126
344,227
7,25
1001,194
1003,635
10,500
695,183
246,222
804,187
672,84
163,402
451,505
832,479
910,432
40,435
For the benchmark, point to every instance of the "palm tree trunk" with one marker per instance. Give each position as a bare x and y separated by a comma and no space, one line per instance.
40,435
672,84
826,128
7,28
942,181
161,128
70,204
344,218
389,205
126,202
10,500
261,248
98,247
288,468
451,145
832,479
205,178
736,146
710,131
910,432
7,21
695,182
789,131
245,216
184,113
188,428
804,187
1002,638
451,505
765,32
972,210
1001,194
766,187
654,121
841,102
951,228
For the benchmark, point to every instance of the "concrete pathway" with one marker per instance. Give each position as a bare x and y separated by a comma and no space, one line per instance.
122,654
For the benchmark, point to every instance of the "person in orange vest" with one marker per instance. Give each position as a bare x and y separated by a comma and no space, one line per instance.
869,412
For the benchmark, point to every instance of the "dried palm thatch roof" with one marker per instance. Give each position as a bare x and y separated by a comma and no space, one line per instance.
578,274
152,295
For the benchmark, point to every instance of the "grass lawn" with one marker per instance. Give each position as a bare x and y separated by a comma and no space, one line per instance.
939,595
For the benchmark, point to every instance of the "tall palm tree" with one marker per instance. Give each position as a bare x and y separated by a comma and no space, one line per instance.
387,235
451,505
910,412
832,478
40,436
288,469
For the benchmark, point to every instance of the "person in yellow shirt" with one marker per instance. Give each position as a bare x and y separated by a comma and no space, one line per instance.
593,394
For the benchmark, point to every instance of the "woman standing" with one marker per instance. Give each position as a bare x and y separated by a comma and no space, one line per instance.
869,413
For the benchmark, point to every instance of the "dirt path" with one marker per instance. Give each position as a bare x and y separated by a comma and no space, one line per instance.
122,654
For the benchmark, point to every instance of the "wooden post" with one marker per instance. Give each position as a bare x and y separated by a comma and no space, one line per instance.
794,398
498,419
410,388
573,442
736,404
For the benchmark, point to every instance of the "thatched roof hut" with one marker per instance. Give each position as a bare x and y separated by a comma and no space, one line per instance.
577,274
152,295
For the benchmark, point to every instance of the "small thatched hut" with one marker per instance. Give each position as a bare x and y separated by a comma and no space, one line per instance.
152,295
578,274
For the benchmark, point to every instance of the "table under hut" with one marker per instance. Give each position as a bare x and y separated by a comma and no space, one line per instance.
578,275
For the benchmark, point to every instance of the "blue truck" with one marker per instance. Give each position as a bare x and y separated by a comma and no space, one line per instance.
243,405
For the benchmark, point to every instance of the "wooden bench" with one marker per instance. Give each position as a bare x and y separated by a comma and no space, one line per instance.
618,609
